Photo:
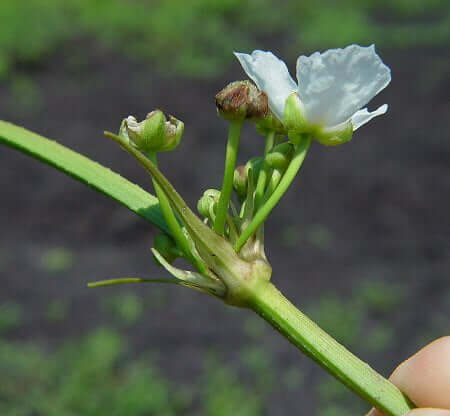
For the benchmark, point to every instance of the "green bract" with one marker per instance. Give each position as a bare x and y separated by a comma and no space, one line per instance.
167,247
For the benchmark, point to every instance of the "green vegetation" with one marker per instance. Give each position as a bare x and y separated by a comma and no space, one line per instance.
25,95
380,296
91,376
338,317
11,316
196,38
315,235
57,310
127,308
56,260
85,377
360,320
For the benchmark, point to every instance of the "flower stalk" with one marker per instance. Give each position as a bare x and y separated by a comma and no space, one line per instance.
234,135
172,221
264,172
296,163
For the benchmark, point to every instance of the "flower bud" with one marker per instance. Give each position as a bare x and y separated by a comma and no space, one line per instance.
240,181
167,247
241,100
280,156
206,205
270,123
155,133
255,164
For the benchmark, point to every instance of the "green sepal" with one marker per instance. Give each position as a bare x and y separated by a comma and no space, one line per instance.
336,135
294,115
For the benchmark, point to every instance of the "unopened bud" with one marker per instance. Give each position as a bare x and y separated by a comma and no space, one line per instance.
167,247
206,205
241,100
240,181
255,164
270,123
155,133
280,156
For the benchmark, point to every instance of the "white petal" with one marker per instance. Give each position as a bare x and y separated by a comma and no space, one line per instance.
362,117
271,75
335,84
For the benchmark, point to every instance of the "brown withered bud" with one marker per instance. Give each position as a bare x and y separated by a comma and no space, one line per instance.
241,100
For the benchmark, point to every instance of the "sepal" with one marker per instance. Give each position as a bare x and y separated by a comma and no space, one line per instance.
294,115
334,136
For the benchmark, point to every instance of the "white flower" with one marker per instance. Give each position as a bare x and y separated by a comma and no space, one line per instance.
333,87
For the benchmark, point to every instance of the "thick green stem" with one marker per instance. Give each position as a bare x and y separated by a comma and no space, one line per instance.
264,172
234,135
269,205
272,306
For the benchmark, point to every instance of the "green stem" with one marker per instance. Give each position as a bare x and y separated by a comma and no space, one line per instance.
291,171
264,172
270,141
172,222
234,135
273,307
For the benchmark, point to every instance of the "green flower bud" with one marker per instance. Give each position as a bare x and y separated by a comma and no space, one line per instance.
270,123
241,100
240,181
167,247
206,205
154,134
280,156
255,164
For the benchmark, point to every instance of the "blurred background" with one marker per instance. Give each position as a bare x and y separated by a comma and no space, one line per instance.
360,242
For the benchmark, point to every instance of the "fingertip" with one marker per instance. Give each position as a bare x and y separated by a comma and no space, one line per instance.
428,412
425,377
374,412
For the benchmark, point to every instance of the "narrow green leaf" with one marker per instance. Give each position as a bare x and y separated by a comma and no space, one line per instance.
85,170
125,280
